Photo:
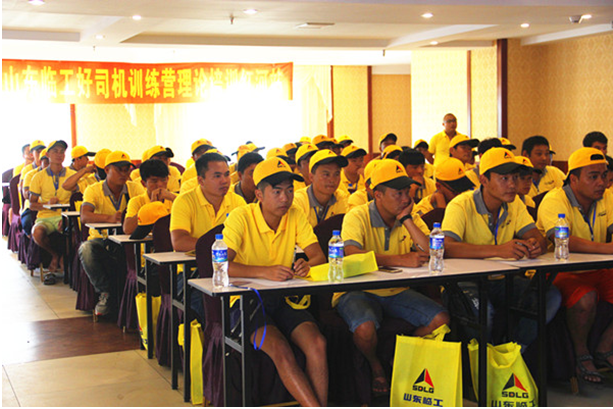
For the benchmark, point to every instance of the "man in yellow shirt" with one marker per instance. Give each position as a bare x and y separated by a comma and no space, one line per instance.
261,238
493,222
46,189
386,140
199,147
461,147
351,179
199,210
303,157
588,209
536,148
438,151
88,175
80,160
344,141
27,219
105,202
422,146
360,197
386,227
323,142
323,198
245,187
163,154
27,157
413,162
596,140
484,146
154,174
451,180
524,181
36,147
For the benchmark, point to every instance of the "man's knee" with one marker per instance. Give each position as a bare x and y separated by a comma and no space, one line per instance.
39,233
586,303
442,318
366,330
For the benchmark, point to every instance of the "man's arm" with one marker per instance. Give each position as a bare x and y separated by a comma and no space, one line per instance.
412,259
537,244
130,224
579,245
88,215
515,249
70,184
274,273
182,240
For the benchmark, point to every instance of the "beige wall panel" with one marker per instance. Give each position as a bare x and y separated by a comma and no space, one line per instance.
484,93
350,93
391,108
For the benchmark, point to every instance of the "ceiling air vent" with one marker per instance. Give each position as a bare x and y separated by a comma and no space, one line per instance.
313,26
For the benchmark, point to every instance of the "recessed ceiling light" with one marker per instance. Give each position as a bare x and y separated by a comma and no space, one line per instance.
36,2
136,17
433,42
525,25
99,36
586,16
427,15
250,11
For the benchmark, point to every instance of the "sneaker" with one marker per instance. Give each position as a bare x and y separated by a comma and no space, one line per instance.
102,308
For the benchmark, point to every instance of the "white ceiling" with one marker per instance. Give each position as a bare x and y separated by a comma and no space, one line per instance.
202,30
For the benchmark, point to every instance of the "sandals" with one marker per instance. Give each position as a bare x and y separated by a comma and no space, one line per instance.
601,359
49,279
584,373
380,386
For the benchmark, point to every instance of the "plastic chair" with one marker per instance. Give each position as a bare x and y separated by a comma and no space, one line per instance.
434,216
15,230
538,199
181,168
6,202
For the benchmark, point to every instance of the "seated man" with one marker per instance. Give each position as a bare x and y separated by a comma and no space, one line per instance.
261,238
303,156
536,148
154,174
596,140
204,207
198,149
27,157
36,147
589,212
386,227
386,140
27,217
414,162
422,147
323,199
105,202
361,197
344,141
493,222
391,152
245,187
484,146
163,154
351,179
46,188
80,160
89,174
451,180
461,147
524,180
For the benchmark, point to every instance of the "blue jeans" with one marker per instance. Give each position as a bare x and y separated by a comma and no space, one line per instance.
102,261
358,307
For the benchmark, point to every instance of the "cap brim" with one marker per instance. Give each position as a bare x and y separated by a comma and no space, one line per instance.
339,160
306,156
202,146
395,139
356,154
459,185
168,154
323,145
287,159
399,183
509,147
121,163
141,232
506,168
291,151
61,143
281,177
473,143
529,169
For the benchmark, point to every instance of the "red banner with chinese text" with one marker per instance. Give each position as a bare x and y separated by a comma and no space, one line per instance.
76,82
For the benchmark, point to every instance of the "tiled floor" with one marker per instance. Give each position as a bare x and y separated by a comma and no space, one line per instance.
45,362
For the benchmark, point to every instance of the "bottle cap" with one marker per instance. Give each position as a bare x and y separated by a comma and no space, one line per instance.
219,237
336,232
561,216
437,225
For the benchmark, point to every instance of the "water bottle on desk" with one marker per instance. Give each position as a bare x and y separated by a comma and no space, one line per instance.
220,263
336,253
561,238
437,249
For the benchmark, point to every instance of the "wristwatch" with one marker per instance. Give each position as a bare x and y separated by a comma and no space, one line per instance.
405,218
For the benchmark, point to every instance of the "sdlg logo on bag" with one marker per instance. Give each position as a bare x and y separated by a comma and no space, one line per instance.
516,394
423,385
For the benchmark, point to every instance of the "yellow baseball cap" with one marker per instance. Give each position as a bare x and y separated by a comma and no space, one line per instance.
43,154
159,150
585,157
37,144
498,160
551,151
386,136
290,148
390,173
215,150
507,144
526,163
275,152
147,216
353,151
274,171
370,166
248,147
420,142
305,139
306,149
453,173
344,138
79,151
458,139
199,143
389,149
100,158
189,163
321,141
59,142
325,156
117,158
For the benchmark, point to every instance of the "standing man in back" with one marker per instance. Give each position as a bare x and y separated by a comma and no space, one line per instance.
438,151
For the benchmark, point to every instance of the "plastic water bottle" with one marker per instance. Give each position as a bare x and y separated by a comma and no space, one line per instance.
561,238
220,263
336,253
437,249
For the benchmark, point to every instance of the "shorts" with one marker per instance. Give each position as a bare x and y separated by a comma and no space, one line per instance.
277,313
49,223
575,286
359,307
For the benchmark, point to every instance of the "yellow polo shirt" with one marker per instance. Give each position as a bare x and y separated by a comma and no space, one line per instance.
26,169
552,177
26,182
17,169
364,228
139,201
428,170
468,220
349,187
358,198
86,181
100,197
563,200
174,179
424,206
193,213
305,200
189,173
528,201
189,185
45,185
473,176
427,189
439,147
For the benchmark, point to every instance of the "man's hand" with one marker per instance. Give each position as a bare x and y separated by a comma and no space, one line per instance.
90,168
534,247
406,211
515,249
414,259
115,218
160,195
439,199
301,267
278,273
54,200
413,190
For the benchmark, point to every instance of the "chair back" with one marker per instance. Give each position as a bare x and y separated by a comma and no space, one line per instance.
162,243
181,168
74,198
204,260
14,193
538,199
533,212
324,230
7,175
434,216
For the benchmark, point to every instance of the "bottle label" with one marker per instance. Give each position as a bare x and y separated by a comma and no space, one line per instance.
561,232
336,251
437,243
220,256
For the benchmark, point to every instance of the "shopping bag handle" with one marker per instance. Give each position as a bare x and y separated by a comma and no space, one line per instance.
439,333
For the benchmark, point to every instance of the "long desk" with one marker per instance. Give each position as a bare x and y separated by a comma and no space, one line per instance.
70,216
455,270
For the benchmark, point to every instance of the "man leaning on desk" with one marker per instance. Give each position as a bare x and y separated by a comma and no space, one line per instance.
492,221
261,238
588,208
